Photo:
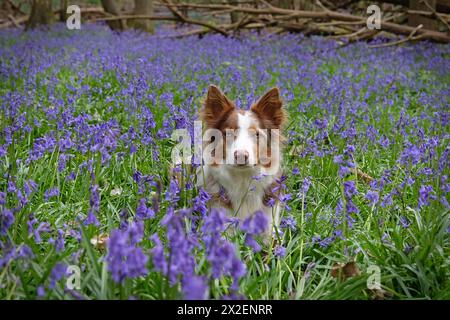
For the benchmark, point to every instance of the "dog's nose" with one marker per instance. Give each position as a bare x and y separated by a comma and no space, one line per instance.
241,157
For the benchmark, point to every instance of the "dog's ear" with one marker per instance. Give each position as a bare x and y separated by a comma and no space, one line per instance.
217,105
269,109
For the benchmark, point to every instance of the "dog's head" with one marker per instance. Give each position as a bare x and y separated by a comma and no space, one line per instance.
243,139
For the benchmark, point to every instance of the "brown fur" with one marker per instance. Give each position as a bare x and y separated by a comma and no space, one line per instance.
217,108
269,110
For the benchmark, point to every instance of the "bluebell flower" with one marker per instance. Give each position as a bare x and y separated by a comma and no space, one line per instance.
288,222
372,196
194,287
280,251
125,258
58,272
142,211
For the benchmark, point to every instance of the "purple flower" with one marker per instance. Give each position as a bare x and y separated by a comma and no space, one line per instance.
43,227
58,272
200,202
349,150
29,186
257,223
252,243
221,254
143,212
94,202
12,188
254,225
288,222
405,223
53,192
410,155
125,258
40,291
91,219
387,200
339,159
172,193
373,197
280,251
194,287
385,238
2,198
6,220
305,185
158,255
425,195
60,243
349,189
181,243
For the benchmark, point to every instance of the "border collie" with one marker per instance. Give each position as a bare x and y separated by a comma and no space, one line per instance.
242,155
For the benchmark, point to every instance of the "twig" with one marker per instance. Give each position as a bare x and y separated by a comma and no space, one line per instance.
393,43
180,16
132,17
320,5
14,22
15,7
11,23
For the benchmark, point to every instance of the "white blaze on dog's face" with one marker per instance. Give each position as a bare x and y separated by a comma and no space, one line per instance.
249,139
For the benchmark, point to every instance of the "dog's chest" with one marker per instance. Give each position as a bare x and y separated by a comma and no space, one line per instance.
241,193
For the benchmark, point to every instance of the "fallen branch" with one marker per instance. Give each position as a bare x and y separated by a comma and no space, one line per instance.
133,17
17,21
184,19
23,19
393,43
14,21
324,21
289,14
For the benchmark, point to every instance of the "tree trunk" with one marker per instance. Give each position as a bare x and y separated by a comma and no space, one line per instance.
63,12
285,4
234,16
306,5
41,14
143,7
414,19
111,7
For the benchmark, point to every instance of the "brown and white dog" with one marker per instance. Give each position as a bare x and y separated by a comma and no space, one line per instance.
242,155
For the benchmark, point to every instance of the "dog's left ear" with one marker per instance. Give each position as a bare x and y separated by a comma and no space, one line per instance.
269,109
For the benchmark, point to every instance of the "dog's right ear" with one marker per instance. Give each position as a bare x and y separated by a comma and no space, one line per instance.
217,105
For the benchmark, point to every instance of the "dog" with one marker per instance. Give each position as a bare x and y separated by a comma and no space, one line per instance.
242,155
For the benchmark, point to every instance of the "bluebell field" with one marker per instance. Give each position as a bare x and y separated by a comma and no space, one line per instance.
86,175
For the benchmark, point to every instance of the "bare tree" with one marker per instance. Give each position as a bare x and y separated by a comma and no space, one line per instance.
143,7
234,16
63,11
111,7
41,13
